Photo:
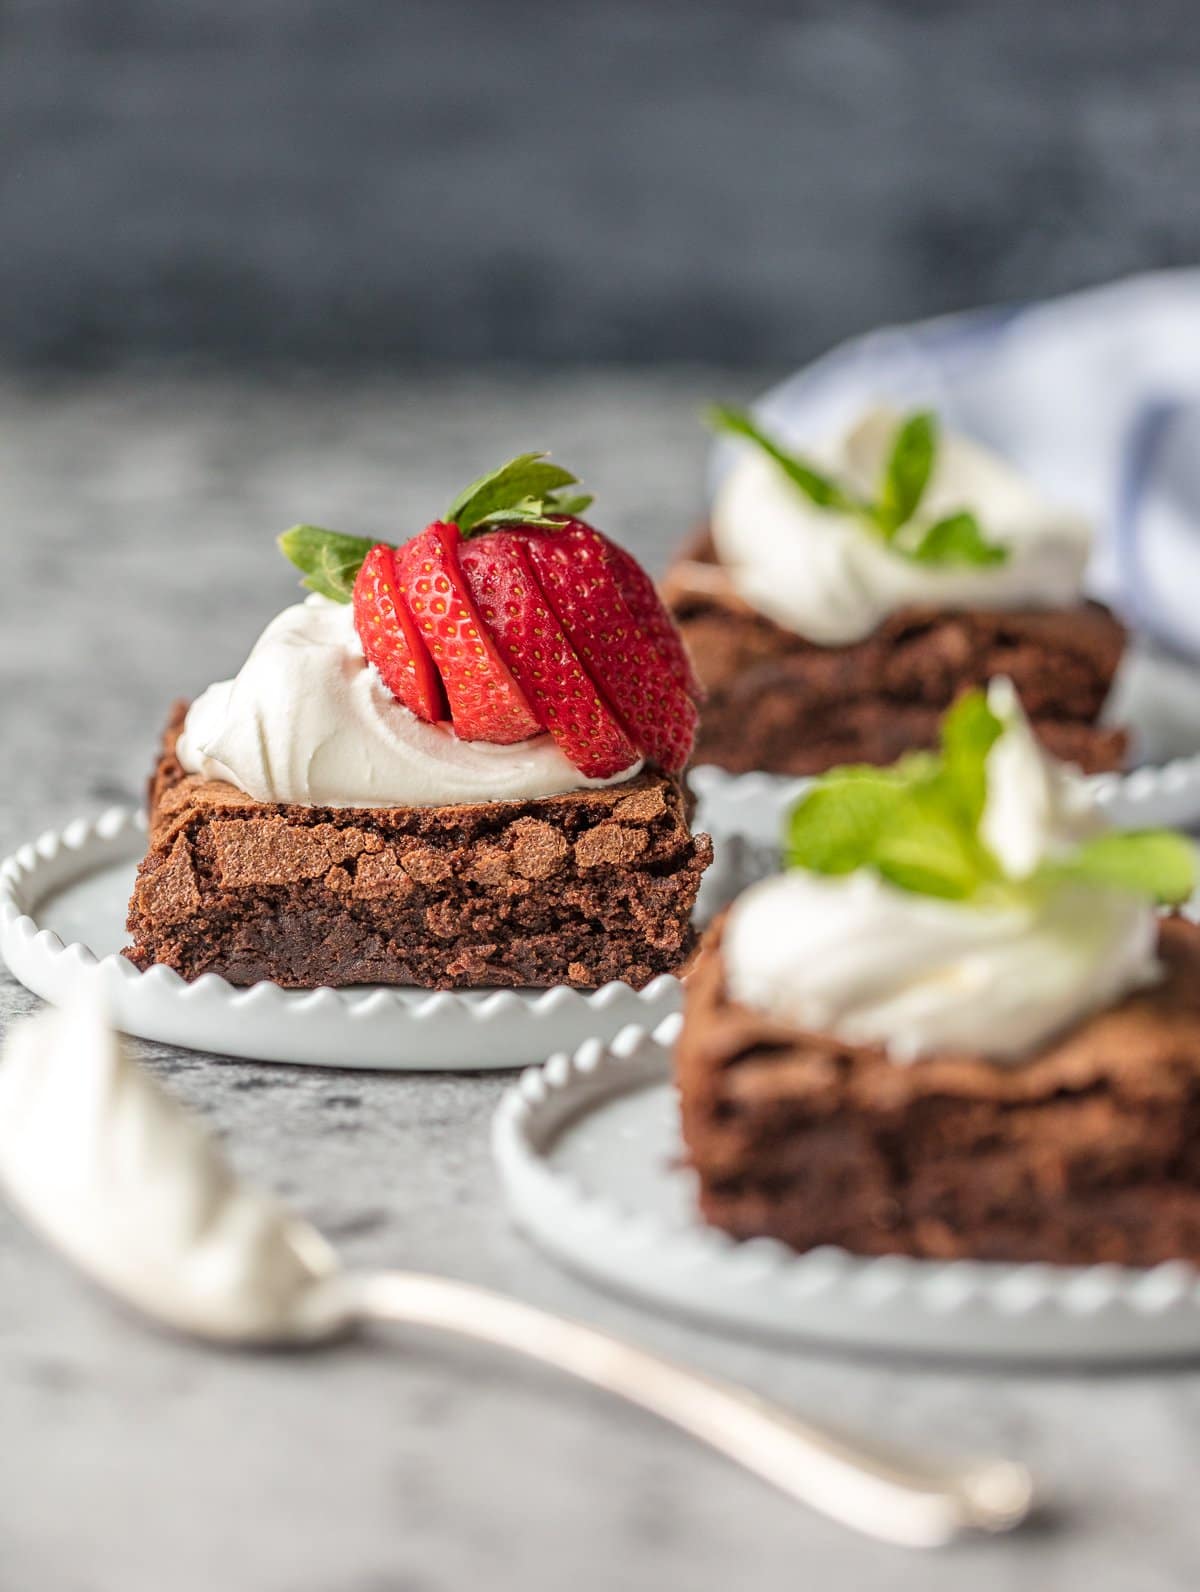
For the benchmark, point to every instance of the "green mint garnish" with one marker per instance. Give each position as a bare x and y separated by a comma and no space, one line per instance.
917,823
956,540
1155,862
329,560
525,491
907,472
821,489
917,826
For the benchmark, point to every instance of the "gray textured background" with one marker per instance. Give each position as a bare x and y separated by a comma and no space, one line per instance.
729,180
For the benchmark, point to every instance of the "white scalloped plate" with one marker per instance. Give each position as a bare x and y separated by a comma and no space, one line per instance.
62,912
588,1152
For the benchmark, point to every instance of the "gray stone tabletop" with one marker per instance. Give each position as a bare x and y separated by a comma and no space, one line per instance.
136,523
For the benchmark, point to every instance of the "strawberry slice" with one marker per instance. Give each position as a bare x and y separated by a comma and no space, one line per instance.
486,703
580,575
649,613
390,638
502,580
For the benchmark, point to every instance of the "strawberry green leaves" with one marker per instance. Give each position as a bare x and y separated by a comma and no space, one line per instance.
525,491
955,540
329,561
917,825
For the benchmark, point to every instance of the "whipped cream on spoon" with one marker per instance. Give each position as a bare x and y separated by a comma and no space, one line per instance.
117,1176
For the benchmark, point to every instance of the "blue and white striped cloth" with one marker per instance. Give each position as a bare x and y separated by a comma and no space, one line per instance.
1096,396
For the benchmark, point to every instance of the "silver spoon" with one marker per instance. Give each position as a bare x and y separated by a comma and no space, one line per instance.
118,1177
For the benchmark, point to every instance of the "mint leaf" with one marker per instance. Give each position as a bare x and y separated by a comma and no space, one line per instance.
916,824
835,826
539,513
907,472
957,539
1156,863
821,489
926,850
509,488
330,561
969,731
572,505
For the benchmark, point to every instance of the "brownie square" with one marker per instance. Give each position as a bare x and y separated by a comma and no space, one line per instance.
1088,1151
575,889
781,703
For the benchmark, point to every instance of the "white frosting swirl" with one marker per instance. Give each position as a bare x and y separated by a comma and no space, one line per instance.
309,721
824,576
856,957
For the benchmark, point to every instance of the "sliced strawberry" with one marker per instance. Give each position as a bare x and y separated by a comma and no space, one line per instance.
579,574
502,580
390,638
649,614
486,703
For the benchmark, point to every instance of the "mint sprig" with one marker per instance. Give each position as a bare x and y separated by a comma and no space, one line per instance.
955,540
918,826
525,491
818,487
1155,862
917,823
329,561
907,471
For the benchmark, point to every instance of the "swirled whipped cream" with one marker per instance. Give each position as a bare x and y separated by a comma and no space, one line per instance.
308,720
121,1178
823,574
857,957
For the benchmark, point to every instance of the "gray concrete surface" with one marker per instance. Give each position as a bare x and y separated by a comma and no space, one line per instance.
135,530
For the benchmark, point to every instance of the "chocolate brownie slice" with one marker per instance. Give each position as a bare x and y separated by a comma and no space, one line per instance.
780,703
1089,1151
575,889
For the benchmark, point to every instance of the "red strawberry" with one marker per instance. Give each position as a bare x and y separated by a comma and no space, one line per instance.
500,573
486,703
390,638
578,571
651,617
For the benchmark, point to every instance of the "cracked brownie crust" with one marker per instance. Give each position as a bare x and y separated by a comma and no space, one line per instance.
780,703
578,889
1089,1151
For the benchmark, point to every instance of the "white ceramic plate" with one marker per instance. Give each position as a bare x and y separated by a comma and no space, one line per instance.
1157,694
62,912
588,1152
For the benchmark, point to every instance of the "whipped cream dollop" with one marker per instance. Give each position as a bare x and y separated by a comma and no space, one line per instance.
857,957
117,1175
826,577
309,721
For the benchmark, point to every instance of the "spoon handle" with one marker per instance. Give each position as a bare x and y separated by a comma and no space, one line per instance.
896,1498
